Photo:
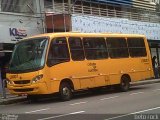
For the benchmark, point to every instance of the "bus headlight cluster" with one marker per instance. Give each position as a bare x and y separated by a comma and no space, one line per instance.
9,82
37,78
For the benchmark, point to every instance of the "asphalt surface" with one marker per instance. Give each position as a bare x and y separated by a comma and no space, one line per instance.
141,102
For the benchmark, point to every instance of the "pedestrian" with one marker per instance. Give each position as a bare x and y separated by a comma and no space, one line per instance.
2,87
1,82
155,66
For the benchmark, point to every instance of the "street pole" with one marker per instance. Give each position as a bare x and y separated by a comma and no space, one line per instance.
69,13
69,7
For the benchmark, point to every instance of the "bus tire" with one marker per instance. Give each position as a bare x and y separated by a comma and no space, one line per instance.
65,91
125,83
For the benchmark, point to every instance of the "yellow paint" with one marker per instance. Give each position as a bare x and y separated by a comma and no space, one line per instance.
84,74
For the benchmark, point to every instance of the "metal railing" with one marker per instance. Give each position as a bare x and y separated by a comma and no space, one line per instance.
59,8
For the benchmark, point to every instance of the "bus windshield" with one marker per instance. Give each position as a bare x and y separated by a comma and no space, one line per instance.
28,55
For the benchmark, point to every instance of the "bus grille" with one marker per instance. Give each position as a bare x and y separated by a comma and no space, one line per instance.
23,90
22,82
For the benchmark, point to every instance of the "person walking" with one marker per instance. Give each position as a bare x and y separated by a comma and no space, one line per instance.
155,66
1,82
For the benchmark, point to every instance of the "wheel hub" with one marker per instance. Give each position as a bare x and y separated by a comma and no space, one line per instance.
65,91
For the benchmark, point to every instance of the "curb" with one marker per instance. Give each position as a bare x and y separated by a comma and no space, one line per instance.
12,100
143,82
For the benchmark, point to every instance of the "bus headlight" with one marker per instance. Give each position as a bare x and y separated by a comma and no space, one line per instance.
9,82
37,78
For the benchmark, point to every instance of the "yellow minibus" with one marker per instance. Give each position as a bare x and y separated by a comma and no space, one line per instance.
67,62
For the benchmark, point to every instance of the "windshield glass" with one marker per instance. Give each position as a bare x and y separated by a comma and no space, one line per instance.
28,55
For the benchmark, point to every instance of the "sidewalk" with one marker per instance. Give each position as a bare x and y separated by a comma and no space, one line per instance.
143,82
10,99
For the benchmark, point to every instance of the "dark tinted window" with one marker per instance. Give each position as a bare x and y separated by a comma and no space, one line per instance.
136,47
117,47
95,48
58,51
76,49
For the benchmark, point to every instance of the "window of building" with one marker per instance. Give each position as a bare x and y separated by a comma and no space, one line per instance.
18,6
117,47
136,47
58,52
48,4
95,48
76,49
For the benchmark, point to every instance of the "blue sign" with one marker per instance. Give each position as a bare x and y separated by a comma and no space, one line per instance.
115,2
17,33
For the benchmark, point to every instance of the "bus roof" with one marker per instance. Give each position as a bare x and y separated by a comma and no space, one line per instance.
78,34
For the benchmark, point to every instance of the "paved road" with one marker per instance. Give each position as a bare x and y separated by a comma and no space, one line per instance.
141,102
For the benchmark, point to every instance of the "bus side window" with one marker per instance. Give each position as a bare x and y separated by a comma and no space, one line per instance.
58,52
136,47
95,48
76,48
117,47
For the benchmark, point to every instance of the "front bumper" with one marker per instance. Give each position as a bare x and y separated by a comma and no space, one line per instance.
37,88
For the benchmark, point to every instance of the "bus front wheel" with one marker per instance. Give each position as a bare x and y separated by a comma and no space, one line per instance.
125,84
65,91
